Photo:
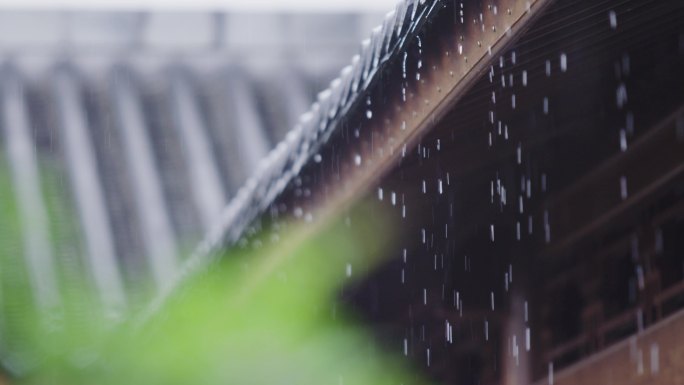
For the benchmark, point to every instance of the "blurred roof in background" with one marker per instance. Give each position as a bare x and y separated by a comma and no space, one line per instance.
153,119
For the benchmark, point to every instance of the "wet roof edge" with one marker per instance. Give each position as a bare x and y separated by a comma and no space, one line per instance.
342,98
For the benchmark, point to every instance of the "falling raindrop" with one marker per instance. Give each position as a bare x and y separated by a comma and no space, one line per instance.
563,62
547,227
655,359
621,95
428,356
357,159
623,140
403,66
548,68
546,105
612,19
623,187
369,113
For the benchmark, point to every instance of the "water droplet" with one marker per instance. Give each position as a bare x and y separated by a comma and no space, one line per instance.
548,68
404,65
623,187
369,114
612,19
380,193
655,359
621,95
563,62
547,227
529,224
357,159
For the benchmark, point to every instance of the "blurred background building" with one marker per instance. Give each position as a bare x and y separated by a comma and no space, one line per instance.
150,121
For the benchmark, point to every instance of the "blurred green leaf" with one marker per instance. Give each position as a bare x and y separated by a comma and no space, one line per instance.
264,314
